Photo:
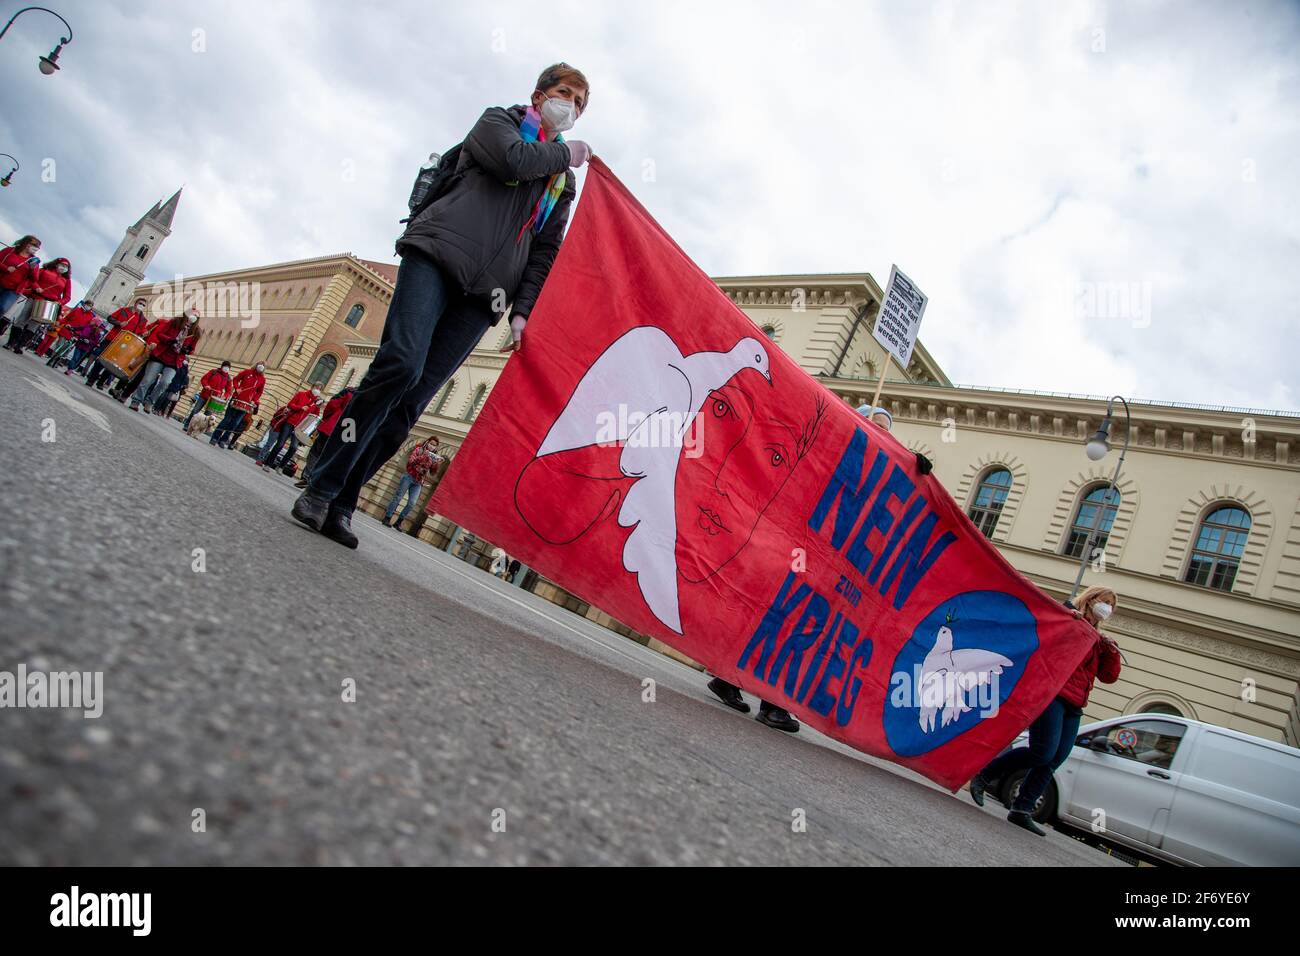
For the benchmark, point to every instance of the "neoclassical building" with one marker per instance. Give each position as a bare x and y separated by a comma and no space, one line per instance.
300,318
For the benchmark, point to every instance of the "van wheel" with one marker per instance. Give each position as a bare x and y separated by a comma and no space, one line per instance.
1044,809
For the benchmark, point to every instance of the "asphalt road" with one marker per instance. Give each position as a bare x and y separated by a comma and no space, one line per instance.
475,702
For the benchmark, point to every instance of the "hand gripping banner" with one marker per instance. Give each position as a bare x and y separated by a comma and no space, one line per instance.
651,451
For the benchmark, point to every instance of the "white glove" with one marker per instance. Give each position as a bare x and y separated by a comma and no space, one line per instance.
579,152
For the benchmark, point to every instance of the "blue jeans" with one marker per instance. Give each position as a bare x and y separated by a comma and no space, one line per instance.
153,386
285,434
7,298
230,422
1051,738
407,486
431,328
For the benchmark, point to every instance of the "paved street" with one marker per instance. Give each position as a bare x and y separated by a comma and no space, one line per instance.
223,692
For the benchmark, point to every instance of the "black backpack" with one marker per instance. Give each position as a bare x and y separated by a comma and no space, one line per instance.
432,184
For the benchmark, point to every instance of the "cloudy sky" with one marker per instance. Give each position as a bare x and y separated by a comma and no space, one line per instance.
1096,197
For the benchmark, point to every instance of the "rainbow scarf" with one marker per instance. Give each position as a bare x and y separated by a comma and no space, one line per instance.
532,131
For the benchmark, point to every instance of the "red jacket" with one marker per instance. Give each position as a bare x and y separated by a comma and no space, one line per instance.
1101,664
247,387
75,322
173,340
215,382
128,319
48,284
25,269
420,462
334,411
300,406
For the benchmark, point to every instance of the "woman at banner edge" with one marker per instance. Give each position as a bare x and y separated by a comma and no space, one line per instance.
1052,734
511,180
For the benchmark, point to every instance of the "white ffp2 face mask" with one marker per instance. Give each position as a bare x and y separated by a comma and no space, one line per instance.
1102,610
559,114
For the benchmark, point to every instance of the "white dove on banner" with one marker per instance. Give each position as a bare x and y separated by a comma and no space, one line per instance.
651,392
947,676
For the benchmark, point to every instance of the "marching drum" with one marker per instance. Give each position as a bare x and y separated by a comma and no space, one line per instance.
41,314
306,428
240,405
125,355
216,406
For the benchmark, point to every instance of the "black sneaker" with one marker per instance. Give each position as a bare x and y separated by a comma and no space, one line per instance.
1025,822
729,694
338,527
977,787
777,719
311,510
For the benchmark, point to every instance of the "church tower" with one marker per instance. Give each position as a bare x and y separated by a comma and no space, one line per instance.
116,282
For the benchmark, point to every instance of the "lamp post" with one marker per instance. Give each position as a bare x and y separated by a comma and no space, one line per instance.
48,64
9,176
1096,449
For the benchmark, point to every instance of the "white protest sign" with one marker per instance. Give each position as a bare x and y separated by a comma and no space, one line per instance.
900,316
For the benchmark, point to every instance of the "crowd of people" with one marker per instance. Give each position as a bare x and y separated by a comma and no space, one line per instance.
33,310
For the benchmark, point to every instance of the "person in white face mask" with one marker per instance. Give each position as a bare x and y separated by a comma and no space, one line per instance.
1052,734
477,248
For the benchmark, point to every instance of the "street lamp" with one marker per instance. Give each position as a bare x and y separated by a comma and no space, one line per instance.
9,176
1096,449
48,64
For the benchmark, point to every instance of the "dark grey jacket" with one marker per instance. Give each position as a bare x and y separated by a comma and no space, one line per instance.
471,232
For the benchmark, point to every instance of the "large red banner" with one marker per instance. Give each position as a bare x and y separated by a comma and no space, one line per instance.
653,452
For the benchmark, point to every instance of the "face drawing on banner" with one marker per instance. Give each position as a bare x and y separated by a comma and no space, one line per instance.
688,450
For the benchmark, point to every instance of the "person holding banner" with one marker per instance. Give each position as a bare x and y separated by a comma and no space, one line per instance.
486,240
879,415
1051,735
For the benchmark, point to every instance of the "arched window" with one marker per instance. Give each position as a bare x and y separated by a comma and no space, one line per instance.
323,370
1219,545
989,498
354,315
1160,707
474,403
142,252
1098,505
441,403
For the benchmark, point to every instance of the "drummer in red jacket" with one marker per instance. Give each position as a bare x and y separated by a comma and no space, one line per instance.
215,383
300,406
126,319
245,399
329,417
69,329
1051,735
170,343
52,283
18,267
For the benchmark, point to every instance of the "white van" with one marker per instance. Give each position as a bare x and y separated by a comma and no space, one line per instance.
1176,790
